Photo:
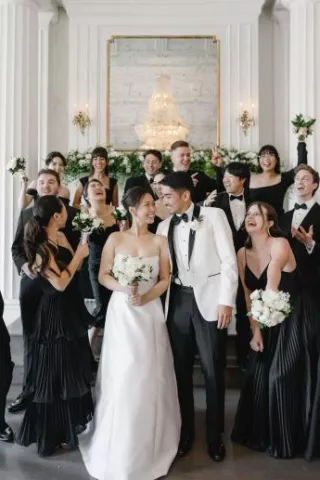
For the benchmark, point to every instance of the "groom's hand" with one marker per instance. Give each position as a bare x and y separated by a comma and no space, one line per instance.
224,316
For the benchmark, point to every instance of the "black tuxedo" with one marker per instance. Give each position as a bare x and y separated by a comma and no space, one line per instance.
6,365
141,181
204,186
308,264
222,201
243,336
30,289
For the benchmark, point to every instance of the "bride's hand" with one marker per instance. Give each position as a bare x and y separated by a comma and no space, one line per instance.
257,341
136,299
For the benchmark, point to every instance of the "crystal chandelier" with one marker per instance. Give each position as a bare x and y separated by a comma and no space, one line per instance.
162,125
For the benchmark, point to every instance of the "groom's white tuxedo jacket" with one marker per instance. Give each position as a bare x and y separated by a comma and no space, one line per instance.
212,267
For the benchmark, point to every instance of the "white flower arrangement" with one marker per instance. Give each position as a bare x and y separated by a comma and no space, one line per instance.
86,224
243,156
131,270
196,223
269,308
17,165
302,126
120,213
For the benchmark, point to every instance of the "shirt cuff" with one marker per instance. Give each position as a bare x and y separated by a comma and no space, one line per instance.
310,247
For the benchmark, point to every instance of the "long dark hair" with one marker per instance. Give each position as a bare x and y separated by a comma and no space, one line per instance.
36,240
99,152
272,216
273,151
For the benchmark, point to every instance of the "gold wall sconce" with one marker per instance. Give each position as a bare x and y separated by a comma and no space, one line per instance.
246,120
81,119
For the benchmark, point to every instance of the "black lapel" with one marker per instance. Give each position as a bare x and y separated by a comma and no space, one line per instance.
174,272
286,223
225,204
311,218
192,233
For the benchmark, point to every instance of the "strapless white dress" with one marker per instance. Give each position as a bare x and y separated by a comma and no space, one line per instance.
136,427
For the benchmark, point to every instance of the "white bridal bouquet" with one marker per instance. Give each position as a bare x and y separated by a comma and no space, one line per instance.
86,224
131,270
269,308
303,126
17,165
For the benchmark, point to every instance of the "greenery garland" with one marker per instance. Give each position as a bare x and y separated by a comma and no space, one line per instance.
129,164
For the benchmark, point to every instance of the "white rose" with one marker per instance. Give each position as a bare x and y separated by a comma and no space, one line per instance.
97,222
269,296
79,155
195,225
277,318
255,295
88,156
84,216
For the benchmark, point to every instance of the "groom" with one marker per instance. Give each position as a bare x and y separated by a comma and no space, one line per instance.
199,303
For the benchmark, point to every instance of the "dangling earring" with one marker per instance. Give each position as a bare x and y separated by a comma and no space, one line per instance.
269,234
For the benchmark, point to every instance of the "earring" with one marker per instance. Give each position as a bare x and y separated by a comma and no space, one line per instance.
269,234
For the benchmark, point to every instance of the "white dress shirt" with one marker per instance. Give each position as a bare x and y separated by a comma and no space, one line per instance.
300,214
181,247
238,210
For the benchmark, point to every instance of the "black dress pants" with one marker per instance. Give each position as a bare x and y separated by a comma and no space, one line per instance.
189,332
6,365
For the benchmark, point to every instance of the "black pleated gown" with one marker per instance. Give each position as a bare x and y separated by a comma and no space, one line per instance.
270,415
59,383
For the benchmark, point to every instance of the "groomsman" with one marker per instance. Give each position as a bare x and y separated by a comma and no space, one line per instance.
6,368
151,163
48,183
181,159
199,303
234,202
301,225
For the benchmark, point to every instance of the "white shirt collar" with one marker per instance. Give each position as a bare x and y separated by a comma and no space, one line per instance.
309,203
189,212
148,176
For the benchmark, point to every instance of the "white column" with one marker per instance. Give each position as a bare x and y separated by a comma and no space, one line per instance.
46,18
304,94
18,125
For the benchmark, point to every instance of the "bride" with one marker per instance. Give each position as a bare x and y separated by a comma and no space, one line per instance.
136,428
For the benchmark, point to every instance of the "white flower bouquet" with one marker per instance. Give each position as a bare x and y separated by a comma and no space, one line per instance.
302,126
17,165
86,224
269,308
131,270
120,214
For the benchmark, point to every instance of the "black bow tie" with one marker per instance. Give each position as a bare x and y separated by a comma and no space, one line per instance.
303,206
150,180
177,218
236,197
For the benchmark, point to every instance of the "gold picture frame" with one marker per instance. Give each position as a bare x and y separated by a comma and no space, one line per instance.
213,39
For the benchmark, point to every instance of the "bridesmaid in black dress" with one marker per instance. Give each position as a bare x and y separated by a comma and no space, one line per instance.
268,185
94,195
274,413
59,384
99,171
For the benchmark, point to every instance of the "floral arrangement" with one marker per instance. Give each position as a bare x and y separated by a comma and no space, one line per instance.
131,270
243,156
302,126
196,223
269,308
17,165
86,224
129,164
120,214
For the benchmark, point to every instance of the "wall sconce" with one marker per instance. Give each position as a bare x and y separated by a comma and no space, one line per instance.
81,119
246,121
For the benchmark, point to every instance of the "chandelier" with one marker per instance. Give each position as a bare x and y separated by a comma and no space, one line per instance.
162,125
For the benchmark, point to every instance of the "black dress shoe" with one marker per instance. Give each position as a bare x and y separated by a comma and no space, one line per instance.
19,404
185,446
6,435
217,451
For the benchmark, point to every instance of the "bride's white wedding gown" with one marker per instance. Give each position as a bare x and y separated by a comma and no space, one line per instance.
136,427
